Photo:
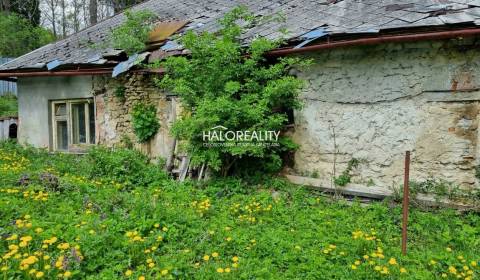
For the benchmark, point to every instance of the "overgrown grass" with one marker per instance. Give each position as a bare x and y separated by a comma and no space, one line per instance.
95,217
8,105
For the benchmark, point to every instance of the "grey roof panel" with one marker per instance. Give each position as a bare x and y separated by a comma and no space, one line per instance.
302,16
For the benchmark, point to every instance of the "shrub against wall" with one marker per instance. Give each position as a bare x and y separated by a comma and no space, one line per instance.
224,83
145,121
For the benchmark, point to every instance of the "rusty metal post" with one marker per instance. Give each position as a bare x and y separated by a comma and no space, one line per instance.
405,202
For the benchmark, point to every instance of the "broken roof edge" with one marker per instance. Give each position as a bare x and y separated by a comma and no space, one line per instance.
380,39
373,39
76,34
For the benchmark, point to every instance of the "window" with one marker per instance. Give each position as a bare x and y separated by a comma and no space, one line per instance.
73,124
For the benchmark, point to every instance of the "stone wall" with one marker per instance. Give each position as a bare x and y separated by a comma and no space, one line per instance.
113,113
374,103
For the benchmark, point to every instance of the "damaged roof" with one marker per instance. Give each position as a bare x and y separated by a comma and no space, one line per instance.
305,21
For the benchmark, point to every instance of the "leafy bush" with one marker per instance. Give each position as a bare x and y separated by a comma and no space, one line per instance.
145,121
224,83
345,178
132,35
18,36
126,166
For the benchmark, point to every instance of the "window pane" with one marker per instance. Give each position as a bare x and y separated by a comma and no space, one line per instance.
79,130
91,113
60,109
62,135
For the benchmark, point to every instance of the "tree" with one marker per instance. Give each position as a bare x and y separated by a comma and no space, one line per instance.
132,35
18,36
29,9
64,21
224,84
50,14
120,5
93,11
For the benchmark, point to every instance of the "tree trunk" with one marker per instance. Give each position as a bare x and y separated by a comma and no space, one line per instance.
5,6
53,7
76,15
93,9
64,18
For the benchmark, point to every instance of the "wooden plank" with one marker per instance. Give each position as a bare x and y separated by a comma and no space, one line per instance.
377,192
350,189
183,169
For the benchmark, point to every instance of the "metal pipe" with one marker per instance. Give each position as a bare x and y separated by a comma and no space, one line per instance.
438,35
85,72
57,73
405,202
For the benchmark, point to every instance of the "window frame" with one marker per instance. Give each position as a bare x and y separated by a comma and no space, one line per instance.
68,117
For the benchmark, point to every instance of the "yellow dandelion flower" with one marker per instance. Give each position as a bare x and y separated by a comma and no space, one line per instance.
227,270
39,274
156,225
473,263
448,249
164,272
235,265
220,270
128,272
353,266
206,257
392,261
151,265
215,254
67,274
141,278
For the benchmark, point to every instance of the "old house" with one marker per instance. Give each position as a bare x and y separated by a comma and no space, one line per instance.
389,76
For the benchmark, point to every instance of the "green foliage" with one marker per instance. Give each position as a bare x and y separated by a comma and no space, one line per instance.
444,189
345,177
28,9
289,232
145,121
132,35
127,166
224,83
120,93
8,105
18,36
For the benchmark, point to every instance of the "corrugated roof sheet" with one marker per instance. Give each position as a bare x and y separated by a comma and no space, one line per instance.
301,16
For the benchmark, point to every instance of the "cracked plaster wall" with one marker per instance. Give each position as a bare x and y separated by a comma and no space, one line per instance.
376,102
